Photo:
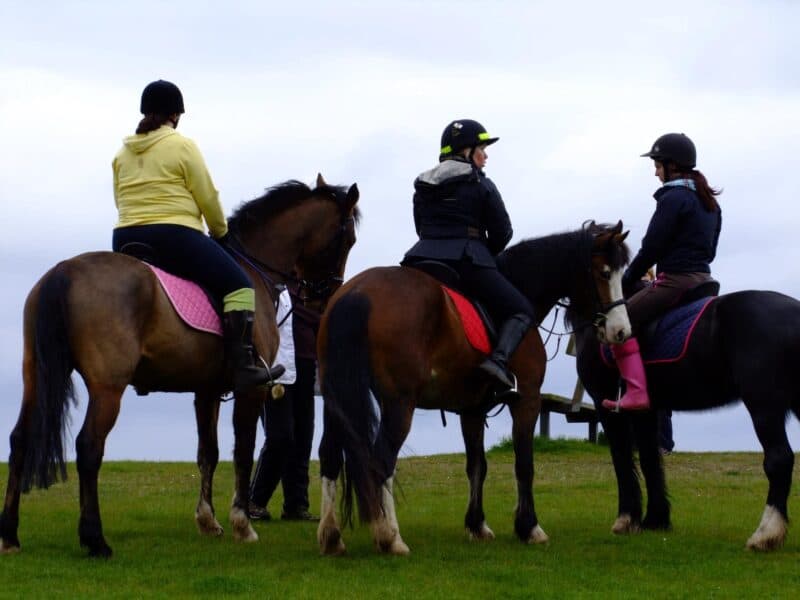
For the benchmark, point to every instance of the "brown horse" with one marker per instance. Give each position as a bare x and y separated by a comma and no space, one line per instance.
391,340
104,315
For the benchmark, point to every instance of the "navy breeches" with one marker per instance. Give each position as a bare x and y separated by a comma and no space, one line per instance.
188,253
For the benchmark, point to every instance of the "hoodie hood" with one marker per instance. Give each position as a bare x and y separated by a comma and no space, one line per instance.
144,141
446,171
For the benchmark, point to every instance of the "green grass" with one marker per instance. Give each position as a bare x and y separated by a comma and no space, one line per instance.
148,518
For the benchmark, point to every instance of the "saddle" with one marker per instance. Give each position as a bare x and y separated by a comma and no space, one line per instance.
666,338
479,327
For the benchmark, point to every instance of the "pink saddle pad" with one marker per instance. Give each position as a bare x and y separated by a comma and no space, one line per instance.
189,301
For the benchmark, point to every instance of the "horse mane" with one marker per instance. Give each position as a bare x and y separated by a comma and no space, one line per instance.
279,198
545,268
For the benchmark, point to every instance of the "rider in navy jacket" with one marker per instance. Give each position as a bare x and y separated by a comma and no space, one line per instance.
461,220
682,236
681,240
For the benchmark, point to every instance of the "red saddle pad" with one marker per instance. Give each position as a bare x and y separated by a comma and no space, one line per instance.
473,325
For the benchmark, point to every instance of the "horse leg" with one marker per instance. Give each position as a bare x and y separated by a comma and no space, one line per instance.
331,459
101,414
206,410
652,465
475,519
9,519
526,523
770,425
395,423
246,408
629,510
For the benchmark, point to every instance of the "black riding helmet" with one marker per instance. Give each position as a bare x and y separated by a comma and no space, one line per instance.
463,133
676,148
161,97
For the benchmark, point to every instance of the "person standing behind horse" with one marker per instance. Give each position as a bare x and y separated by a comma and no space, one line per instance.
163,192
289,428
681,240
461,221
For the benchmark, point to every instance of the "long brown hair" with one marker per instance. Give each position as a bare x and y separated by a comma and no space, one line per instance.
706,192
151,122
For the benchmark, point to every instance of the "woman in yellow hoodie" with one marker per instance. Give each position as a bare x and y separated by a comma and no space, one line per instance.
163,192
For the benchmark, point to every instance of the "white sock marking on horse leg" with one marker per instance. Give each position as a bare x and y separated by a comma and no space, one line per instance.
328,533
242,530
771,532
207,524
385,529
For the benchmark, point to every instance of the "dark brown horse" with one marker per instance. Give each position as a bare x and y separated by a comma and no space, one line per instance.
104,315
391,340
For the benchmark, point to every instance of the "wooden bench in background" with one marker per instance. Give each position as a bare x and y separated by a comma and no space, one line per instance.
574,409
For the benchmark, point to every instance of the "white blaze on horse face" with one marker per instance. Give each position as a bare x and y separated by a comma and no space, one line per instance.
618,326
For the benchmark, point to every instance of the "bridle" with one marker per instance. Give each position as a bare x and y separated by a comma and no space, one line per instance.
601,309
319,288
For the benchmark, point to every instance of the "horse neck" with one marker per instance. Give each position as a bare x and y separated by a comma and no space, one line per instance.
547,269
278,242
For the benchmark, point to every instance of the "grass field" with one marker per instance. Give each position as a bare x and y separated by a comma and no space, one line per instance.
148,518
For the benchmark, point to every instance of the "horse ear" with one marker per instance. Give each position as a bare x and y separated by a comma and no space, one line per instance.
620,237
618,227
352,197
320,181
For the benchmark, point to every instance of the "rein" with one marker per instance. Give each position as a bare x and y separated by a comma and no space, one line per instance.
316,288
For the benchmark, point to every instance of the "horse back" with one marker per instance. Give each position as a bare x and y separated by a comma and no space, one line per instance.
416,343
119,319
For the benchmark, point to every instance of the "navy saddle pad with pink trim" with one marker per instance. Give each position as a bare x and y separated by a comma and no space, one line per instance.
672,334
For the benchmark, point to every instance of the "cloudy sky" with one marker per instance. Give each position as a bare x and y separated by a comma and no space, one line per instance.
360,91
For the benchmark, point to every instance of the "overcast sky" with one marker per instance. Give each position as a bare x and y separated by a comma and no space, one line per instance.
361,91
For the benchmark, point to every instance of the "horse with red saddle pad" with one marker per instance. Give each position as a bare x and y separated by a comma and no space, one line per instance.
392,339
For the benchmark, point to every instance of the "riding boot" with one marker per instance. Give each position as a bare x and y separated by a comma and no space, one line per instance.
631,368
511,334
244,368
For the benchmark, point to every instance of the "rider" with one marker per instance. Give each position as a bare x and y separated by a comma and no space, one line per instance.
681,240
461,221
163,192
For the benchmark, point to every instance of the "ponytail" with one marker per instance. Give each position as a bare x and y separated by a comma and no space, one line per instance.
706,193
151,122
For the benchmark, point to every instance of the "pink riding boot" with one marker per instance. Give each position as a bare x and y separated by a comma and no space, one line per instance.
629,363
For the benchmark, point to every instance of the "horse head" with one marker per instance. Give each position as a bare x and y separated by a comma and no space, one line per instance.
321,263
608,259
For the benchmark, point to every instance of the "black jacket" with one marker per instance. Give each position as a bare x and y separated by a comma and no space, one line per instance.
459,215
681,238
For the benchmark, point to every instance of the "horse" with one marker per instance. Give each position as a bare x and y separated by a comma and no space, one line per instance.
744,346
391,340
104,315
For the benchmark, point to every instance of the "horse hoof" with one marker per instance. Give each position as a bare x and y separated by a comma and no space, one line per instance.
396,547
484,533
6,548
330,542
207,524
624,525
538,536
771,532
213,529
103,551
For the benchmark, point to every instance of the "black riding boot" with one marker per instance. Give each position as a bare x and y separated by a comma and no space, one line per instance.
244,367
511,334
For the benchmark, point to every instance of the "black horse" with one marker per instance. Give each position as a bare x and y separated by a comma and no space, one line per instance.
745,345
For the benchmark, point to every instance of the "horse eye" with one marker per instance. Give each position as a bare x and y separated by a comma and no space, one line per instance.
606,275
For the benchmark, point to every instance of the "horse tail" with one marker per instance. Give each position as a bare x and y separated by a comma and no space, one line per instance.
53,364
346,391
